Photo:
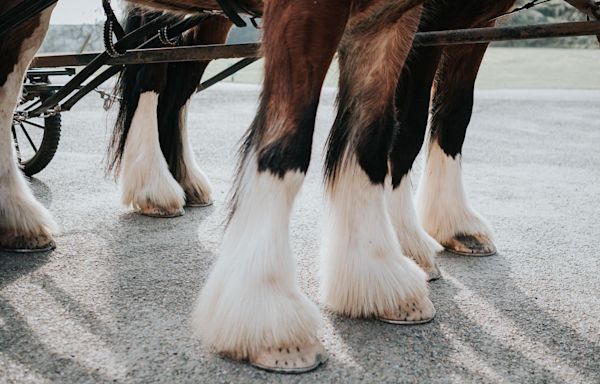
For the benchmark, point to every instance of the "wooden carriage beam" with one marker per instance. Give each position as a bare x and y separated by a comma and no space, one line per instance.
440,38
154,55
525,32
590,7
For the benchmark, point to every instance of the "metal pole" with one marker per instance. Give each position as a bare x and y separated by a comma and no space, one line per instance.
487,35
438,38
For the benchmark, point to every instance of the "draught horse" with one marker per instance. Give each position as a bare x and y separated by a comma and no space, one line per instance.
150,149
251,306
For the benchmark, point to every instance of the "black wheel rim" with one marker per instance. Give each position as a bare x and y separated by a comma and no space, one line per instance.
28,136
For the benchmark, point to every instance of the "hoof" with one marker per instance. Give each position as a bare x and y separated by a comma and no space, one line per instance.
20,243
196,199
294,359
194,203
411,313
433,273
471,245
163,213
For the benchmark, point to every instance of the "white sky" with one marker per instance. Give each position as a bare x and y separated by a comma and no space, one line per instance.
81,11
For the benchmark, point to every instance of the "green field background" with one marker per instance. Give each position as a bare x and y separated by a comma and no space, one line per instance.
503,68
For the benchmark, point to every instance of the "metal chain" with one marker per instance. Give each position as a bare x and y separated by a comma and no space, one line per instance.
109,44
163,37
109,30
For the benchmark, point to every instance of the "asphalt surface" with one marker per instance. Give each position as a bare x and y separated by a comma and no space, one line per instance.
112,303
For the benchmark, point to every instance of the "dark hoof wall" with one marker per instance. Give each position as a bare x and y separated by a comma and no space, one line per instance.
195,199
192,204
471,245
162,213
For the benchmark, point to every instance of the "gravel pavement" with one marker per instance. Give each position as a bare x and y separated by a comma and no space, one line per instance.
112,303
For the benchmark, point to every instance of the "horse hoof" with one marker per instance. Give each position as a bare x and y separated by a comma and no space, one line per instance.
195,199
294,359
411,313
471,245
197,203
19,243
163,213
433,273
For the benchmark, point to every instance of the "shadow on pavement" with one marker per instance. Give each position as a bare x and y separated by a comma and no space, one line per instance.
532,344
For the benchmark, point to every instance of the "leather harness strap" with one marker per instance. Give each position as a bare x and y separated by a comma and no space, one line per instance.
231,11
112,18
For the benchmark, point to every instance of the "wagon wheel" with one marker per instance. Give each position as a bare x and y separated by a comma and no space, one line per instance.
36,141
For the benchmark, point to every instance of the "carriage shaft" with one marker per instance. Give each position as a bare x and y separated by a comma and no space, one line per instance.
438,38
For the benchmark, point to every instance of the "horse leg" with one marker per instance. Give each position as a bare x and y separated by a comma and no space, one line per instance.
195,183
444,210
365,272
251,306
146,182
24,223
412,105
183,80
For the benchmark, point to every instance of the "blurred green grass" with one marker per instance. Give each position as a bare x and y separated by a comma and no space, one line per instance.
503,68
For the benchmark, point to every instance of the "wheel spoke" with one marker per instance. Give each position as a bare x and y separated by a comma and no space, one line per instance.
33,105
14,133
34,124
28,137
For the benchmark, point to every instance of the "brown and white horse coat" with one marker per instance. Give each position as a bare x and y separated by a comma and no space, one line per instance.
24,222
150,148
251,306
439,82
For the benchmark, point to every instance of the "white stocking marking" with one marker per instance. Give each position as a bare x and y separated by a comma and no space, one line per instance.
364,270
19,210
194,178
441,200
251,299
145,176
415,242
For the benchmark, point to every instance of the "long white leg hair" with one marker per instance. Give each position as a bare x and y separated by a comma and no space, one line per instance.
24,222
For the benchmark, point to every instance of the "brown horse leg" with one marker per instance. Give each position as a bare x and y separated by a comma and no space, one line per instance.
251,306
25,225
444,210
412,105
182,82
365,272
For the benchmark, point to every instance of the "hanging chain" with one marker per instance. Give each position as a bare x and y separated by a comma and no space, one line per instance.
163,37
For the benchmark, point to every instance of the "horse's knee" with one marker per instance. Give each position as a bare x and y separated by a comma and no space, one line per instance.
288,147
281,134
